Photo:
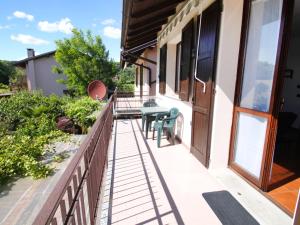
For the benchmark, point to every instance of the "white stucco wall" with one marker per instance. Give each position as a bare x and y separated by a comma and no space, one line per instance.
229,44
41,77
149,53
45,78
225,79
170,98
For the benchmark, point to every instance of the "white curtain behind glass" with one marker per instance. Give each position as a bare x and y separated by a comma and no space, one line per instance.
261,53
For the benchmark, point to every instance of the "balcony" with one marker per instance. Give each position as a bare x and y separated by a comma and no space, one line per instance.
120,177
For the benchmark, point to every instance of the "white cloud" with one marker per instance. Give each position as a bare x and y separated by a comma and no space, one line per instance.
112,32
28,39
108,22
64,26
22,15
4,27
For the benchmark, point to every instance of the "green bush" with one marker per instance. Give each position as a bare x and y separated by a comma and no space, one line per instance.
4,88
27,125
126,77
81,111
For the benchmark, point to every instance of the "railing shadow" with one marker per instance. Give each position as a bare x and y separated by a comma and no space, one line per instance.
135,193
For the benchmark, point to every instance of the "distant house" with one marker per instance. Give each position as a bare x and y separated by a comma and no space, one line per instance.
39,73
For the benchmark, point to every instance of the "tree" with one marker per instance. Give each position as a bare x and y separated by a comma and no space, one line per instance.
83,58
126,79
17,79
6,71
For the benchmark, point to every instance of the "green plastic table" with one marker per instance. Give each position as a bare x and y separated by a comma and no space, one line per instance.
148,111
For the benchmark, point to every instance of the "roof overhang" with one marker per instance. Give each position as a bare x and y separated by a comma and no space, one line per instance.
22,63
143,19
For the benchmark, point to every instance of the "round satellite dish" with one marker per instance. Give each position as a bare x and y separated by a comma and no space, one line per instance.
97,90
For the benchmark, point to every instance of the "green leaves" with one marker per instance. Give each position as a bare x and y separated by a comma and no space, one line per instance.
27,126
81,111
126,79
84,58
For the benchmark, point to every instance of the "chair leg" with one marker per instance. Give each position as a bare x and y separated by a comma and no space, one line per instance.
173,138
158,136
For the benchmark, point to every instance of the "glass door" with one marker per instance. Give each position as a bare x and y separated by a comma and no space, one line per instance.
257,75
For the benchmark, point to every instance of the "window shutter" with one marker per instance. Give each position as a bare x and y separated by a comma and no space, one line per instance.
186,61
162,69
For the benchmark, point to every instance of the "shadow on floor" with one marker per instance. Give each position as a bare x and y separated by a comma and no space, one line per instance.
136,191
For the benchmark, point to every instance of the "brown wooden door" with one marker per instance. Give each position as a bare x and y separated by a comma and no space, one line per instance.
204,90
258,88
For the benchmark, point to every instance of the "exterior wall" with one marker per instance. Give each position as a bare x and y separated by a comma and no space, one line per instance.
40,70
150,54
229,40
30,74
171,99
229,43
147,88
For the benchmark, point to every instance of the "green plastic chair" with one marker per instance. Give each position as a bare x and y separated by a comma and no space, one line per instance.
167,123
149,103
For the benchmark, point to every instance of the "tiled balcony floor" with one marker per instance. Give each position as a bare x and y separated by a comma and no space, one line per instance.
150,185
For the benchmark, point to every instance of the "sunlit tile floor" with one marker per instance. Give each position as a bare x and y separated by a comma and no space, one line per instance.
150,185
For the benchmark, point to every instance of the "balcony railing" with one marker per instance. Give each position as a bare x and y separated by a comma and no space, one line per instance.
74,199
129,103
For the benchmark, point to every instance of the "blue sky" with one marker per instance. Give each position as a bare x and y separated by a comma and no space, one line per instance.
37,24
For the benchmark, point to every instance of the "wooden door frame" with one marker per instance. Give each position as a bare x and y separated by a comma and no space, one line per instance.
272,114
212,100
141,81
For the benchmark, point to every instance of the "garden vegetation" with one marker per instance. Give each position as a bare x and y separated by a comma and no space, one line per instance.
27,126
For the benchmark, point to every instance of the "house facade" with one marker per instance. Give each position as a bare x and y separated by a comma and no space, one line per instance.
231,69
39,73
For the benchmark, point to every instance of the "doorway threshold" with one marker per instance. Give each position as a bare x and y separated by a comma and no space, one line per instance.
252,199
286,196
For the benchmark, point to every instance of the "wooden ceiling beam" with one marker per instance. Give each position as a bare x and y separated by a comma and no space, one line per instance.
144,32
148,22
141,37
154,15
146,26
158,7
134,43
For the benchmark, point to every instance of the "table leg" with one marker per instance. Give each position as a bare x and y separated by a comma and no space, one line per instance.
147,126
